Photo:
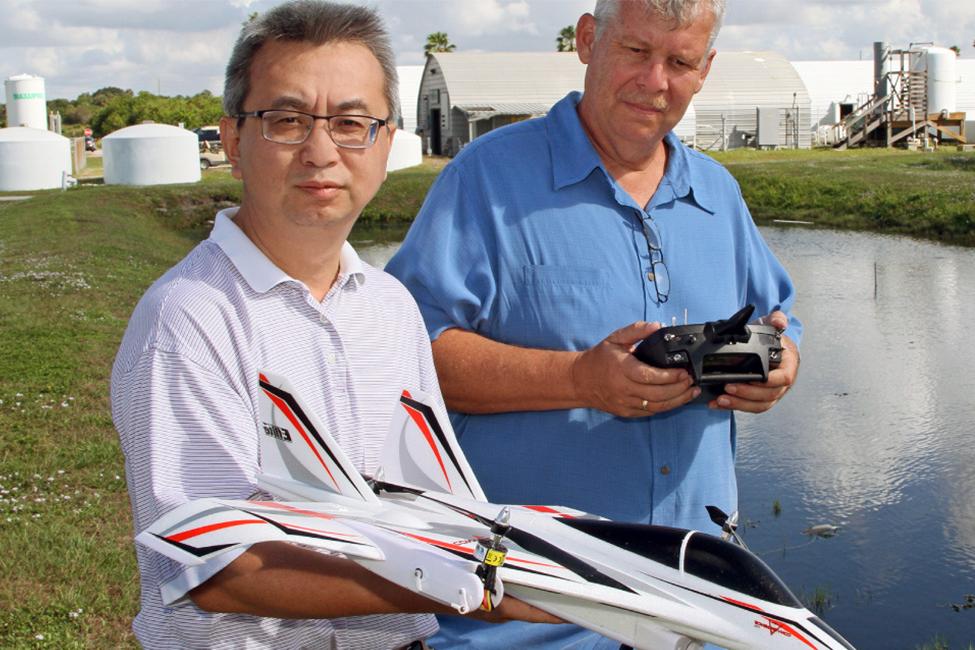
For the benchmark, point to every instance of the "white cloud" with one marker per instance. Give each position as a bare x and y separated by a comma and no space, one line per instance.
493,16
182,46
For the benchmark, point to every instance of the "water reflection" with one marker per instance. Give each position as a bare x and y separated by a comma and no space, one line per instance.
877,437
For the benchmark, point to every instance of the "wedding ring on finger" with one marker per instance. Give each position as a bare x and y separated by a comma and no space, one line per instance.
643,405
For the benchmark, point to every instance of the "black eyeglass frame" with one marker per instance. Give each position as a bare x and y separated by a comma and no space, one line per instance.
377,124
657,264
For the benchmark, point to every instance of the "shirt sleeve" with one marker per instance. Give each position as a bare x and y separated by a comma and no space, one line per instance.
186,434
447,258
768,285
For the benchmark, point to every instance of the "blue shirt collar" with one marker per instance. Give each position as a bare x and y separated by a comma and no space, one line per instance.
574,158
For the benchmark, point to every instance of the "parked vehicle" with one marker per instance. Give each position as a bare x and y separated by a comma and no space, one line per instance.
209,135
211,150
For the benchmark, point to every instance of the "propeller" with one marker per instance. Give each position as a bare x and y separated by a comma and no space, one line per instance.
728,524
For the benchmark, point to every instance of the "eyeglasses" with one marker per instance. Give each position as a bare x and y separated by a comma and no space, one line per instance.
294,127
658,270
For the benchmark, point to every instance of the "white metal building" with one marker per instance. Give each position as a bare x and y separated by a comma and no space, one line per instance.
409,90
836,88
739,86
749,98
466,94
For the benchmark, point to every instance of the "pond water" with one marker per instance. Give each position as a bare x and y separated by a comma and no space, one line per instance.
877,437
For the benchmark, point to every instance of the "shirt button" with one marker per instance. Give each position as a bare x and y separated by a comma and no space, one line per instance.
322,318
650,276
665,470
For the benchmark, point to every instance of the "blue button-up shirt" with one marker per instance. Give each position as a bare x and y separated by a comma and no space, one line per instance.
525,238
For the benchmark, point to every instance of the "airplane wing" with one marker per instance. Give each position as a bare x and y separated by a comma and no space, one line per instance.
205,528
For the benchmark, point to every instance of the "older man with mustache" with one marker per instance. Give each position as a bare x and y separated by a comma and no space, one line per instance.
547,249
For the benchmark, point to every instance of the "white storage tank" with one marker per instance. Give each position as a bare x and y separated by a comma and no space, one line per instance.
32,159
151,154
407,151
26,101
940,64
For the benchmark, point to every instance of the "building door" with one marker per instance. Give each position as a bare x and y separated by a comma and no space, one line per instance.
436,146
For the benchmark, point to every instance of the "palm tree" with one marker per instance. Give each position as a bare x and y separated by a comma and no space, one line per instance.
566,42
438,42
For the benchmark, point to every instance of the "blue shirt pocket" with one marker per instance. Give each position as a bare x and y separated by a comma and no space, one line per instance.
557,307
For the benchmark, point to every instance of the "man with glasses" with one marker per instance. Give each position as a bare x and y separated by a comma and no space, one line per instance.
310,95
547,249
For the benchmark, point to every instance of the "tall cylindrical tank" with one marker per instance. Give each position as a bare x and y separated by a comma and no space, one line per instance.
881,66
942,80
151,154
32,159
26,101
940,64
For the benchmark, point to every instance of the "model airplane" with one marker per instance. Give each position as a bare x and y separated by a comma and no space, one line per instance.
423,522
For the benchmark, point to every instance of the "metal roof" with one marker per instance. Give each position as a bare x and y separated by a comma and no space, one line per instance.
511,79
484,111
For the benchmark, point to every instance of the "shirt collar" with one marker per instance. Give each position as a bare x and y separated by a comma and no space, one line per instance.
682,177
574,157
257,270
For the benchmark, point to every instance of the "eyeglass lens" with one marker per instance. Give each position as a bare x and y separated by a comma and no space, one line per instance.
290,127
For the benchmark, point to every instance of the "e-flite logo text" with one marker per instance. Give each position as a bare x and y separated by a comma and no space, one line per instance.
279,433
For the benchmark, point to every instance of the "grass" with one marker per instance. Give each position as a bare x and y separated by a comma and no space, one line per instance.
819,600
926,195
939,643
72,266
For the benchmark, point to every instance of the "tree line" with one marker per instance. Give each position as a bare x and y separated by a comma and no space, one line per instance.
109,109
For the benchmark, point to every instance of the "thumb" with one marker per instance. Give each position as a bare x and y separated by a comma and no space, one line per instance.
633,333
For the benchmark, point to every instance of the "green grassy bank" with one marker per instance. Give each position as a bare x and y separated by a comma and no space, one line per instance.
73,264
926,195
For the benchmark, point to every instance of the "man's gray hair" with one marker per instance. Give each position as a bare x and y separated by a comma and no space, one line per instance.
679,13
317,23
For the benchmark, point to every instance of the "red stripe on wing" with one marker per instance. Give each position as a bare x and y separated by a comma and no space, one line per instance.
202,530
294,421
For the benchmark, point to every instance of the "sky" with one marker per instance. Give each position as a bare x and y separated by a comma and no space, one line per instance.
180,47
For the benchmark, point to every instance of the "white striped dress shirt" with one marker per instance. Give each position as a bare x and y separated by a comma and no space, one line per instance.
184,401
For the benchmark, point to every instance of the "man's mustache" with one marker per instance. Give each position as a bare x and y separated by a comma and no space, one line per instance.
656,102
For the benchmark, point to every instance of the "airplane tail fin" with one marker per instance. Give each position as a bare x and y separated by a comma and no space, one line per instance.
300,461
421,450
